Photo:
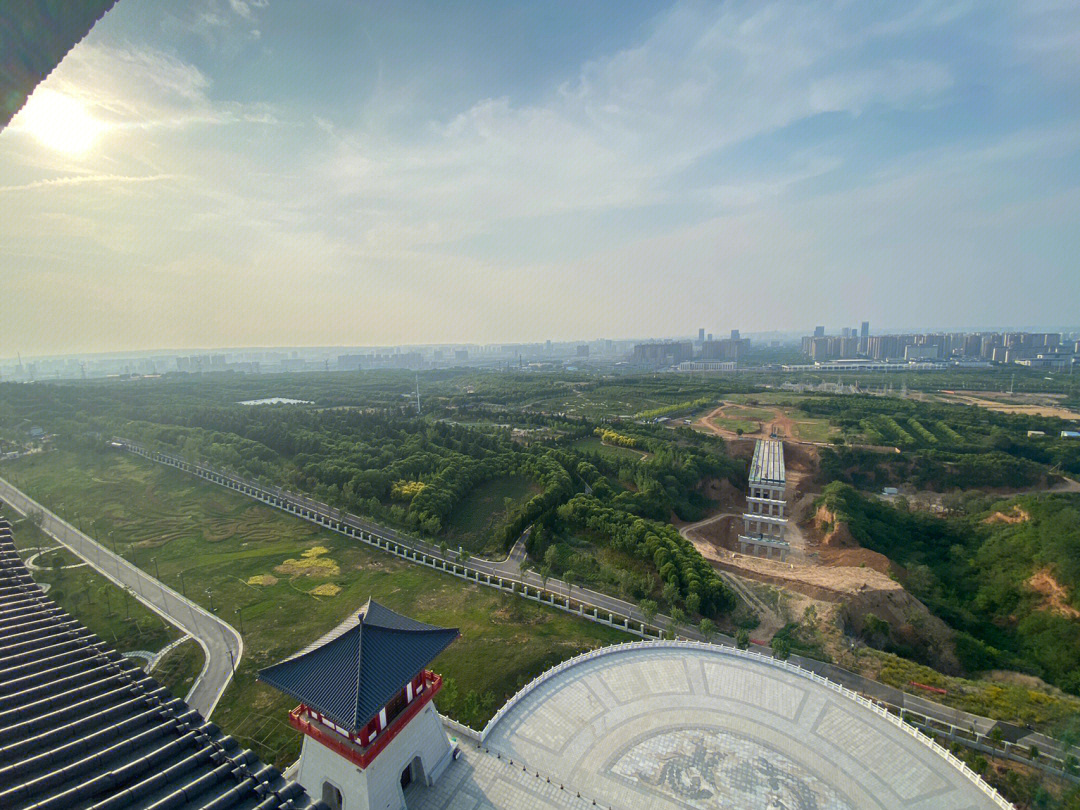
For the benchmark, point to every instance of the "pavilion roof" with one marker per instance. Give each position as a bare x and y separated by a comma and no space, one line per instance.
350,673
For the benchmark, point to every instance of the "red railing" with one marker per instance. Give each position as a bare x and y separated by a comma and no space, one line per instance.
300,719
929,688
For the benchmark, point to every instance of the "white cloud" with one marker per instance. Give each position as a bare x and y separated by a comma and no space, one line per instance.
78,180
705,78
627,168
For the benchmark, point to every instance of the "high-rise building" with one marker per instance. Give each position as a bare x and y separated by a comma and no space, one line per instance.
864,332
723,349
819,331
701,335
735,334
668,353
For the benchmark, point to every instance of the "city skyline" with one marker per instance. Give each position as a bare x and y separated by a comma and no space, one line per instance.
247,173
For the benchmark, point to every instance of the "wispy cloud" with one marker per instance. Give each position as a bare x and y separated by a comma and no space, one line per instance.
78,180
718,148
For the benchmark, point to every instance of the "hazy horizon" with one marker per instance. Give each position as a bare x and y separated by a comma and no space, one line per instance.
272,175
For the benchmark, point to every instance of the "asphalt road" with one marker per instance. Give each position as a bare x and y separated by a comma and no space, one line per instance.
222,645
509,568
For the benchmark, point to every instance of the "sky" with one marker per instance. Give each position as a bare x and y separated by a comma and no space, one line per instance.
260,172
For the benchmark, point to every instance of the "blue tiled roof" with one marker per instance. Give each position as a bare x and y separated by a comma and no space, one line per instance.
354,670
81,726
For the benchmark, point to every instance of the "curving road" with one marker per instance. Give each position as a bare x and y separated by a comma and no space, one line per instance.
510,569
222,645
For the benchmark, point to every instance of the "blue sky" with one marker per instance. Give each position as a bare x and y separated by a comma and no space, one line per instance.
271,173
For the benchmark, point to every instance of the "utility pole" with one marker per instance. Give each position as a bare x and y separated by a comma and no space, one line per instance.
183,587
240,613
157,573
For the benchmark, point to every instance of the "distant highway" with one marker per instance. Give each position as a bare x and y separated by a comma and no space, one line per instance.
222,645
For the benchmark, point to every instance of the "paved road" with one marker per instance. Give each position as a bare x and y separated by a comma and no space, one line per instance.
616,607
221,644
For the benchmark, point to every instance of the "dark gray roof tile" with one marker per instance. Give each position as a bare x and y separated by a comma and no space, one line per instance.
350,673
81,727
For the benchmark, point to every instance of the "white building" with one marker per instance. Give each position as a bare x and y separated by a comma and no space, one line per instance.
370,728
765,519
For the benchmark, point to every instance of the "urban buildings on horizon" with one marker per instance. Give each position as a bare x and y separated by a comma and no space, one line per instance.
1035,349
852,347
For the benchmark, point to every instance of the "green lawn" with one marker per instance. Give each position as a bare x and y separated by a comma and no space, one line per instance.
735,425
592,444
111,613
477,520
766,398
180,667
748,412
220,540
817,430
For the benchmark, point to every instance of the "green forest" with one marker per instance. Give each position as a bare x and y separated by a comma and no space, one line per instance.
379,459
942,446
972,568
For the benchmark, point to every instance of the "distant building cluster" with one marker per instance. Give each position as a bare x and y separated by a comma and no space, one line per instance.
705,354
1039,349
548,355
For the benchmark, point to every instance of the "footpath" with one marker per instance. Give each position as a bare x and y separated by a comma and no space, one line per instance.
222,645
997,737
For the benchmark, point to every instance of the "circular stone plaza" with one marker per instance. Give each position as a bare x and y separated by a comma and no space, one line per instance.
688,725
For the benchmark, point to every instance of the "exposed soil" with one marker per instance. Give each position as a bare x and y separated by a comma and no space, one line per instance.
1055,597
780,425
855,558
1014,515
833,533
726,496
1029,404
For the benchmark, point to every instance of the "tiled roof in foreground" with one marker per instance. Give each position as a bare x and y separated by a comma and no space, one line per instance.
354,670
34,38
82,727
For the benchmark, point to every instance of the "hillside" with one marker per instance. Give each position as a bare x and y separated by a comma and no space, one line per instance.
1003,574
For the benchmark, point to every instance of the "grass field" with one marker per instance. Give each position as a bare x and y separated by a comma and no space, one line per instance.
272,566
180,667
766,398
817,430
749,412
475,520
105,609
1043,707
592,444
735,425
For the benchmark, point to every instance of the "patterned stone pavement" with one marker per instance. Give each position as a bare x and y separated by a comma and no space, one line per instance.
700,730
481,781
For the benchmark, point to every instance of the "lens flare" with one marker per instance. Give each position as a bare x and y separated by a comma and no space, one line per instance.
59,122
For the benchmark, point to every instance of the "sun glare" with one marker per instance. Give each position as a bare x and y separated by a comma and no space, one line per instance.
59,122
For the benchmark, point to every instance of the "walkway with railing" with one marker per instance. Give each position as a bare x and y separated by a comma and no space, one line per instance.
890,717
962,727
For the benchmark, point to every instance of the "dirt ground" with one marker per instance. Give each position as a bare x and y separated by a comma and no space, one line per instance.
1055,597
830,571
1029,404
780,425
1015,515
